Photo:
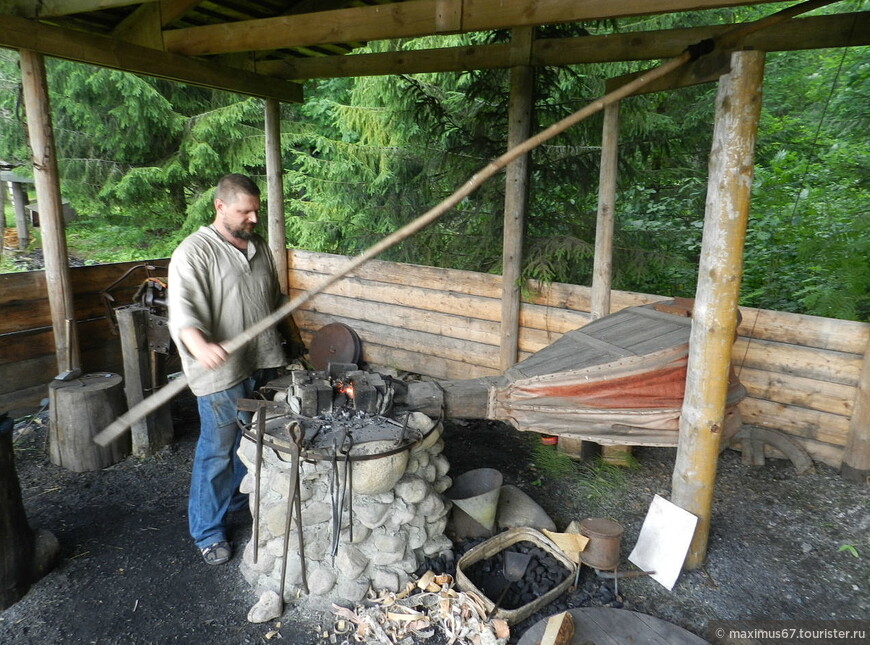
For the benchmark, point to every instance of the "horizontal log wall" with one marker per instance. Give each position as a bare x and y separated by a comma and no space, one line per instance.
27,358
800,371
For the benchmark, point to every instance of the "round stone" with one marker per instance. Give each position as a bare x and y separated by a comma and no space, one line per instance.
321,581
268,607
389,543
372,514
385,579
437,544
350,562
353,590
442,483
442,466
412,489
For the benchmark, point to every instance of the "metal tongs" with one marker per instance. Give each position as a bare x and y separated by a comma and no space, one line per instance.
339,491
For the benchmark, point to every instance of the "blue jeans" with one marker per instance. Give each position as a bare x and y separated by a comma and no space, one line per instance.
217,469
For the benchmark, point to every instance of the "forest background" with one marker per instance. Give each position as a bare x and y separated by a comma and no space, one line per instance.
139,157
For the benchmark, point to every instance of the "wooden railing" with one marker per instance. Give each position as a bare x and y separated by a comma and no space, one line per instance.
801,372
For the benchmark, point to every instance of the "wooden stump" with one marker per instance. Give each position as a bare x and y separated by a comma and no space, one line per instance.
16,536
79,409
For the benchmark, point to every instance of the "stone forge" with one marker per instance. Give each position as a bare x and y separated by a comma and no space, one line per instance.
393,519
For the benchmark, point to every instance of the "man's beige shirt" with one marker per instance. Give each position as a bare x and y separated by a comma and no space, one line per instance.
220,290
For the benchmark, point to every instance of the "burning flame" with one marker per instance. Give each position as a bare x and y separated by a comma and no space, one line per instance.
345,388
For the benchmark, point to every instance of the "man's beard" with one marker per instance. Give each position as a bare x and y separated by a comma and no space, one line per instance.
242,234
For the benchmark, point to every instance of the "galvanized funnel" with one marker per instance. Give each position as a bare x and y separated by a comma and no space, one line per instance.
476,493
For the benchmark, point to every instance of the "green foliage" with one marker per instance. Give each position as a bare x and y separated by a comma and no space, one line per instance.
808,237
552,463
598,480
138,157
362,157
591,479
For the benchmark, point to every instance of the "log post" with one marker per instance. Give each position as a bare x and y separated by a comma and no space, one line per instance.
602,268
602,271
16,536
275,191
516,193
45,175
19,204
26,555
714,322
2,217
154,431
856,454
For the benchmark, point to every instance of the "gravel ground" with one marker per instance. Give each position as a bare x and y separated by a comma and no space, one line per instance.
782,546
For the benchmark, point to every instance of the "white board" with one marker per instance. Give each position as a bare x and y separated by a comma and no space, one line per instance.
664,541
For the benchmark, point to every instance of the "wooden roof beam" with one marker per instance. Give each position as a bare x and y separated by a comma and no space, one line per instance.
20,33
145,25
410,19
817,32
56,8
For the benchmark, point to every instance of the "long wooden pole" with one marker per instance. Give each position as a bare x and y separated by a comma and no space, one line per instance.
714,320
602,267
856,454
275,191
122,423
47,180
516,195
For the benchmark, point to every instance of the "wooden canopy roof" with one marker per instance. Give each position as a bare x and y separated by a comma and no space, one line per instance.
265,47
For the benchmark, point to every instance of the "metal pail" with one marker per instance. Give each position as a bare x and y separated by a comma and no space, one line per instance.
602,551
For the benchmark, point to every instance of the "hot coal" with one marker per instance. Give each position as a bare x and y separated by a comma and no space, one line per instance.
543,573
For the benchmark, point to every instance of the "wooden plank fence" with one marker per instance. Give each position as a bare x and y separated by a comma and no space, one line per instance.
27,358
801,372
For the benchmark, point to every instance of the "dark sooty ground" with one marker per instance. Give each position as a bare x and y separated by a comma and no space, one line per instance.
129,574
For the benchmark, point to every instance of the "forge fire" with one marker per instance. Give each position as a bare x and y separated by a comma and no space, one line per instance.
337,455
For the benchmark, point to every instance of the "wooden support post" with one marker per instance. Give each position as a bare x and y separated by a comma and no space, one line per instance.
738,105
2,217
154,431
602,268
275,191
516,195
602,271
16,536
19,203
856,455
47,182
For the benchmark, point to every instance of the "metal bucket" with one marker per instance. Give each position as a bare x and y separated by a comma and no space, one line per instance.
475,493
602,551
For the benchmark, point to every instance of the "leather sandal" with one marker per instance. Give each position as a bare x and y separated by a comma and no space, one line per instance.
217,553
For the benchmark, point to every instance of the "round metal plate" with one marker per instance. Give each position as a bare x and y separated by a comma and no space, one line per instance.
334,343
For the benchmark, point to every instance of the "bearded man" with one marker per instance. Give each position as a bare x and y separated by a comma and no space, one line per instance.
222,280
